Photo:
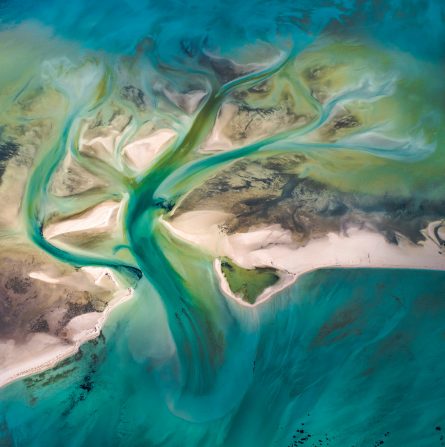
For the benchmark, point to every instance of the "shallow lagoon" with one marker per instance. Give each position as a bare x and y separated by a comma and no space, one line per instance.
344,356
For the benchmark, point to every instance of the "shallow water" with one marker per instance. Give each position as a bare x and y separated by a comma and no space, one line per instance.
349,357
343,357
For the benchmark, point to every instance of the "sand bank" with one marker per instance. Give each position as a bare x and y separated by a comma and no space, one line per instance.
43,351
189,102
218,141
141,153
272,246
102,217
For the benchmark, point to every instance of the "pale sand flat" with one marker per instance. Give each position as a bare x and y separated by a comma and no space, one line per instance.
103,216
43,351
272,246
141,153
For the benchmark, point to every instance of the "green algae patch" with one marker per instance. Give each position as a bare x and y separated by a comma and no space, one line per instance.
248,283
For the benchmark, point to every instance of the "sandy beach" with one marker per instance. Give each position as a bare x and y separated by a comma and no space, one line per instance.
273,246
43,351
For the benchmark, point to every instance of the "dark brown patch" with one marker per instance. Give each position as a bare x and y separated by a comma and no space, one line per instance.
340,325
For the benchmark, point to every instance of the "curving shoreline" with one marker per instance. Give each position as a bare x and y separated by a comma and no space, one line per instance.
285,281
273,247
61,351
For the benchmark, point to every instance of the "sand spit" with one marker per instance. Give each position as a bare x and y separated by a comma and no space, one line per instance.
272,246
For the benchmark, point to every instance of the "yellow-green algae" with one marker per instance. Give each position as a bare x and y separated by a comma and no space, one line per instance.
248,283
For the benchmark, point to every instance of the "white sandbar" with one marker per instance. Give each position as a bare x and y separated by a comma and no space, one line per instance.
272,246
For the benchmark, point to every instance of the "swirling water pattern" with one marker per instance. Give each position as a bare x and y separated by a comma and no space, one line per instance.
344,357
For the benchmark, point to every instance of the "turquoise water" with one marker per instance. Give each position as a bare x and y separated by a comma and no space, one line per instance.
342,358
346,356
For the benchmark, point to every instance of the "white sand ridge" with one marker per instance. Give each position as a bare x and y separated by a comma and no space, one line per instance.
272,246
